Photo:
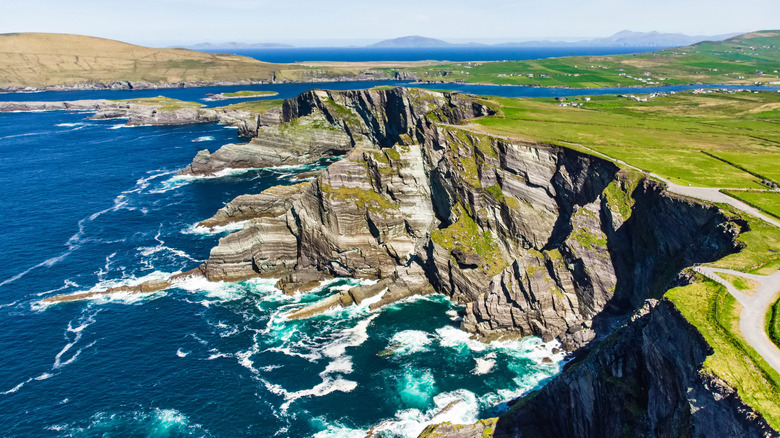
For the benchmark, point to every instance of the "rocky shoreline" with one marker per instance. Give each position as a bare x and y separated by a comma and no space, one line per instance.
535,239
142,85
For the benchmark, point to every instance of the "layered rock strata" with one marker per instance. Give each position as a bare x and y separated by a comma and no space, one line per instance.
536,239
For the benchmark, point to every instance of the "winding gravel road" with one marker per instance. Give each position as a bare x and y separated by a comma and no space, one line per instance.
754,309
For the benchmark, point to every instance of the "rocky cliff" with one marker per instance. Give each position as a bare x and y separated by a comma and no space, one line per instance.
537,239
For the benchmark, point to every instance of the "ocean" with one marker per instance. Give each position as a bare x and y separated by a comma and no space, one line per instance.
93,204
455,54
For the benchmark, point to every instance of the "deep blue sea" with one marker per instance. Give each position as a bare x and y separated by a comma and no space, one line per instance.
490,53
93,204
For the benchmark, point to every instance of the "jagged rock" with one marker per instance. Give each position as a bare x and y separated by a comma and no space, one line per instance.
322,123
466,259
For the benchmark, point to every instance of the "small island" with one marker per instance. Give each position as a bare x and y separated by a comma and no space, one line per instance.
244,94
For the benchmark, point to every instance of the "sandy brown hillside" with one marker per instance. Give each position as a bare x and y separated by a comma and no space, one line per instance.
41,59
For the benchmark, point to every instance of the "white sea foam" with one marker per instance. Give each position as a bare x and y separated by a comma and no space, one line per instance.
340,365
172,183
161,247
410,342
328,385
453,337
352,337
454,316
457,407
484,365
219,229
182,353
69,125
339,431
203,138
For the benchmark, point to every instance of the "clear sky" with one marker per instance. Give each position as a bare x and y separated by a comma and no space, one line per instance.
308,22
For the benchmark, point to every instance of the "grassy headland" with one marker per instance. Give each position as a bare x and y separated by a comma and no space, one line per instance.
42,59
744,59
163,103
713,139
715,313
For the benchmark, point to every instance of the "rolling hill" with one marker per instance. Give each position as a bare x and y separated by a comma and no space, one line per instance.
42,59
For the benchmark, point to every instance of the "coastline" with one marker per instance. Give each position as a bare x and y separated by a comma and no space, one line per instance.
133,85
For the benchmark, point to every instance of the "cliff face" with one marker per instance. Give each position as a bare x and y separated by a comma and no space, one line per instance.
321,123
535,239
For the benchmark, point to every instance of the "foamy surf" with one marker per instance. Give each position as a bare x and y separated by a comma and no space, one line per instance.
199,230
203,138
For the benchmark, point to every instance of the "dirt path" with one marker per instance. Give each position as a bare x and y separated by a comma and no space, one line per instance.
754,309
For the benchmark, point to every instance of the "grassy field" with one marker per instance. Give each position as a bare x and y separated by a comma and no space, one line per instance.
254,106
773,323
715,313
249,93
745,59
163,103
768,202
39,59
741,283
667,134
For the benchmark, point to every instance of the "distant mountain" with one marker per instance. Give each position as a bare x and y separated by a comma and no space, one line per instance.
412,41
627,38
419,41
238,46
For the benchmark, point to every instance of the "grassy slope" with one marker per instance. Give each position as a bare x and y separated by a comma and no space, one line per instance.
163,103
773,323
734,61
768,202
40,59
665,135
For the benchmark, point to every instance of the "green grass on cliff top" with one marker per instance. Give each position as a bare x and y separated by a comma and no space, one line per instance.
254,106
163,103
249,93
773,323
745,59
768,202
761,252
719,139
715,313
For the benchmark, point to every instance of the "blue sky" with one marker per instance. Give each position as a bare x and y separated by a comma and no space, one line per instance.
309,22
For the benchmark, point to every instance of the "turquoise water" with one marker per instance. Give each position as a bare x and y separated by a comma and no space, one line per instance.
93,204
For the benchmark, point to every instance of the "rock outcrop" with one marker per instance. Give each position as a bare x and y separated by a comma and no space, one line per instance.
321,123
